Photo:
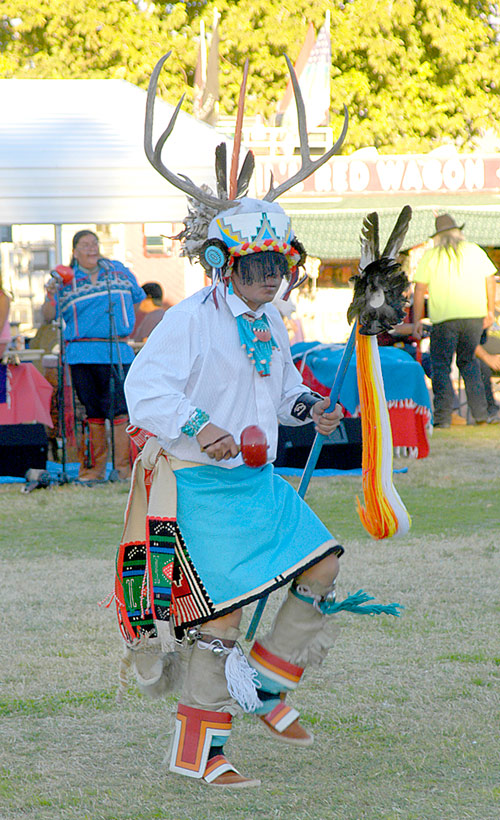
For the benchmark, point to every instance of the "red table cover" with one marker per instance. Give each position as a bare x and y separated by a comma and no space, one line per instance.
29,397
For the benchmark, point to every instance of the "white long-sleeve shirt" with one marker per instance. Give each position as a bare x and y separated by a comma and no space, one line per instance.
194,358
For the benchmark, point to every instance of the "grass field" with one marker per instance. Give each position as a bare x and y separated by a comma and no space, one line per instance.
406,712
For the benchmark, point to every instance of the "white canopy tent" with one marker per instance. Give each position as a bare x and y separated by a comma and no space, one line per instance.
71,152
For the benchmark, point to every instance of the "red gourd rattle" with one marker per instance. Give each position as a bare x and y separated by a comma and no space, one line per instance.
253,446
63,273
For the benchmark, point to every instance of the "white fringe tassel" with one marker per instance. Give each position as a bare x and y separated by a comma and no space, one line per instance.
242,680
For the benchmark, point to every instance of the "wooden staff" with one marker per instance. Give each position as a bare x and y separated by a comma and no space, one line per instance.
233,175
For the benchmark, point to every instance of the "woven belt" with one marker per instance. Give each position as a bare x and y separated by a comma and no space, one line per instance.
96,339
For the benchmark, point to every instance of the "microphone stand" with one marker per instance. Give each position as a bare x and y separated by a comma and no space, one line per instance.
64,478
113,340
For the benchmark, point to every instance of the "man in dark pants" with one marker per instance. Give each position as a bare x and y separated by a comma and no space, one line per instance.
459,278
488,353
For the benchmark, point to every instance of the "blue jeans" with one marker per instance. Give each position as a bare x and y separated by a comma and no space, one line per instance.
460,336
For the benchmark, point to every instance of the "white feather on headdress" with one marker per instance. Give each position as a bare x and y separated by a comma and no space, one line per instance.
196,224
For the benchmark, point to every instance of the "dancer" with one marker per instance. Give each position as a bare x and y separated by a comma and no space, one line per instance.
213,533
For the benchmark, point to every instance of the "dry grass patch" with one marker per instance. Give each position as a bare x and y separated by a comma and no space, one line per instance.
405,711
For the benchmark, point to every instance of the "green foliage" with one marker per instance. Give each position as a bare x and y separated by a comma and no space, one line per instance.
412,74
415,73
72,39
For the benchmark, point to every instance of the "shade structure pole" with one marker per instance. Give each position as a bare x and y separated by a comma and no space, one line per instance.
58,243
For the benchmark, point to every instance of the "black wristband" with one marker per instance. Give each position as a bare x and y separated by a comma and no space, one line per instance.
301,410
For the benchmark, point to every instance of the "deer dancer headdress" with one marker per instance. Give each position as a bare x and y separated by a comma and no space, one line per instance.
219,228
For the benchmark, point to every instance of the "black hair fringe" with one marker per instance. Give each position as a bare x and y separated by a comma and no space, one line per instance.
256,267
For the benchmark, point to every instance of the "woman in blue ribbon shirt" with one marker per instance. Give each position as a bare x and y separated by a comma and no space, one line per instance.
96,345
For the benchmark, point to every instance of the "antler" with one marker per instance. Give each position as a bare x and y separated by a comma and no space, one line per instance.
153,154
308,166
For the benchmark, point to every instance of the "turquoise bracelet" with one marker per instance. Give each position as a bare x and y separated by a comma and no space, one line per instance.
196,421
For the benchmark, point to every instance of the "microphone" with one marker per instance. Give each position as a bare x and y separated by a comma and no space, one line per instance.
62,274
105,263
35,479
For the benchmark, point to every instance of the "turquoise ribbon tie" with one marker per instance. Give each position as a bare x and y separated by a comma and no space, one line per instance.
259,351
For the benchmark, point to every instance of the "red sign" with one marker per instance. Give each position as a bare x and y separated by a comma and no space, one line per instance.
412,174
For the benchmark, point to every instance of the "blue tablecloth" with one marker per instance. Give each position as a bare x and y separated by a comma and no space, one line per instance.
404,377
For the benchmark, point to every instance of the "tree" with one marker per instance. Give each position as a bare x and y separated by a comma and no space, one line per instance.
50,39
420,73
413,73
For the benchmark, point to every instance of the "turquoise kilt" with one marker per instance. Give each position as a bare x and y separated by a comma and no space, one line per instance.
246,531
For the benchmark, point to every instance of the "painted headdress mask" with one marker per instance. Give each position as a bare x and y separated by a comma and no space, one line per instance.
219,229
252,226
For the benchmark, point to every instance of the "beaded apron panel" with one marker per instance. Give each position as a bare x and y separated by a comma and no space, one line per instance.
178,591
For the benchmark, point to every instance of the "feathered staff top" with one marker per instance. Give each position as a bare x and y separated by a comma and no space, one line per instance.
378,304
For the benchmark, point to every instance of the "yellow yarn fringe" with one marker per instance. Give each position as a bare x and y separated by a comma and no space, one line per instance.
384,514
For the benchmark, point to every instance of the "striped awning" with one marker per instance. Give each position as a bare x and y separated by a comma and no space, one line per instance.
334,234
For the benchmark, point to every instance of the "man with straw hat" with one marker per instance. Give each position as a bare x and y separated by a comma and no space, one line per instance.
460,280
